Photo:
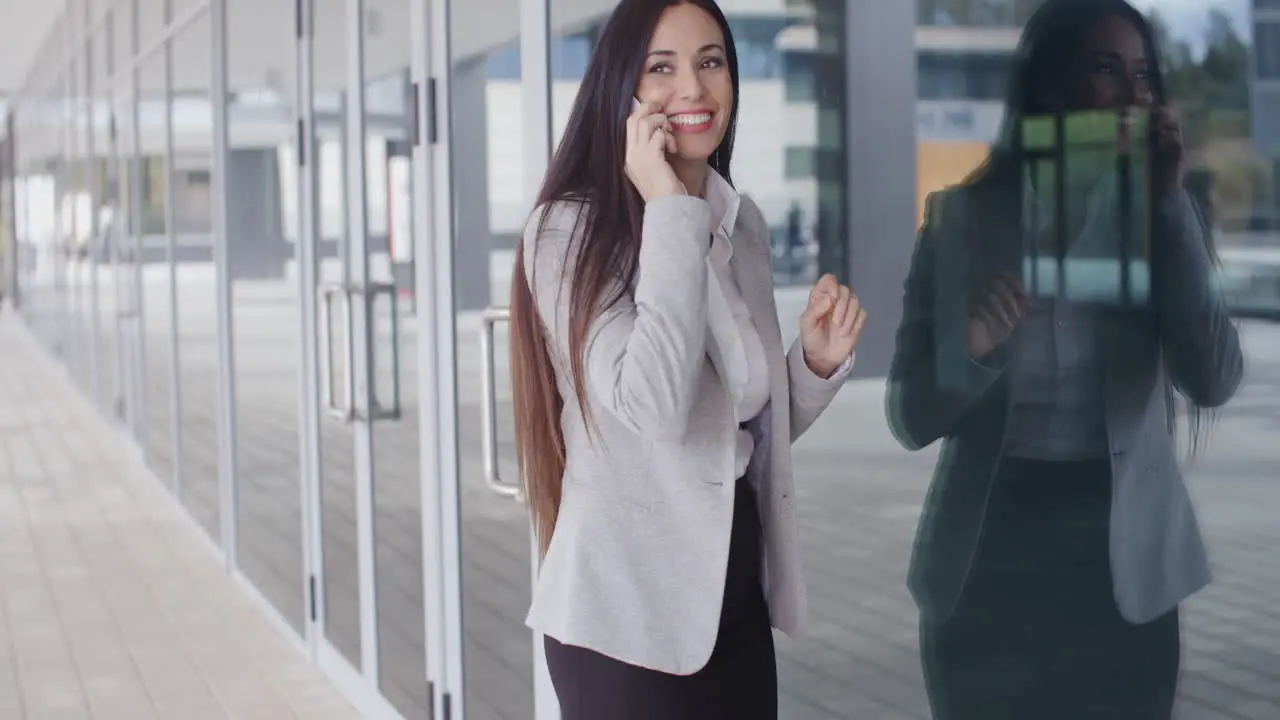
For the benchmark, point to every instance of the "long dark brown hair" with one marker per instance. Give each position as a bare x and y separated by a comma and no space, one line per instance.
588,168
1051,37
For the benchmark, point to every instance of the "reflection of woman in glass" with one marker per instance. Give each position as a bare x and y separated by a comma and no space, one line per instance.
655,407
1058,538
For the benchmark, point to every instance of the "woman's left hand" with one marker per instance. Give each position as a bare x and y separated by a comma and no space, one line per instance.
1168,151
830,326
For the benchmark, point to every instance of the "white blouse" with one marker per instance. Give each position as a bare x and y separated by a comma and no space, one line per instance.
740,352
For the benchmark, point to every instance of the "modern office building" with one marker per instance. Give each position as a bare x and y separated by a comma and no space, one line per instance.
271,239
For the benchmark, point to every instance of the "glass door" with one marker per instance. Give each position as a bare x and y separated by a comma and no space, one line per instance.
497,101
340,595
372,508
391,226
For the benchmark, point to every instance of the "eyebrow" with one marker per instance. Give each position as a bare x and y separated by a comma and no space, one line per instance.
1110,55
704,48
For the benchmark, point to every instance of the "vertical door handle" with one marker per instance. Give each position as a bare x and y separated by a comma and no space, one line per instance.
377,410
346,410
489,404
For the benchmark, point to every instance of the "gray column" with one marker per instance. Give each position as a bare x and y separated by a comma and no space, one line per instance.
880,144
255,233
470,141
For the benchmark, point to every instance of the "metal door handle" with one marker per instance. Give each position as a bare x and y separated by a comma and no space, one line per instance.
377,411
346,411
489,405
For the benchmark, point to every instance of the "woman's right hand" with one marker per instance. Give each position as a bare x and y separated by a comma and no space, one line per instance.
995,318
649,139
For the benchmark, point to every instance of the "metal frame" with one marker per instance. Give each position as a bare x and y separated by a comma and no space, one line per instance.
174,27
437,361
221,253
129,166
105,386
359,405
95,316
361,338
133,369
348,677
74,175
489,320
176,406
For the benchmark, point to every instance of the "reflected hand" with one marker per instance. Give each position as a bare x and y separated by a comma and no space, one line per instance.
830,326
1167,151
995,318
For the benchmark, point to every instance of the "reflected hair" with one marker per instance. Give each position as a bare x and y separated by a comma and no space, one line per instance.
588,168
1053,34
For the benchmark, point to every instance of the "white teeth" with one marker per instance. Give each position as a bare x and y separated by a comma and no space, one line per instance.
691,119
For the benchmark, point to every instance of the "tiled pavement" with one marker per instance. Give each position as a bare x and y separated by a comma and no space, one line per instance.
111,605
859,500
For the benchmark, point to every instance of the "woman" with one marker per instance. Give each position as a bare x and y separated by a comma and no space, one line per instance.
654,405
1058,538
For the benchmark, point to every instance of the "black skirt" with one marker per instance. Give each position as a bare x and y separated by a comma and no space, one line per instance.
740,680
1037,635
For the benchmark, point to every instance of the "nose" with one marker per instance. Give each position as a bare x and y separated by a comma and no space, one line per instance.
1137,91
689,86
1142,95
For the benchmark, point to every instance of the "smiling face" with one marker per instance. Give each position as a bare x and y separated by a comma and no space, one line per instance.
686,72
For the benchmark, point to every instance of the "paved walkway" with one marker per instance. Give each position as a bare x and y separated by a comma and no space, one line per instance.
111,606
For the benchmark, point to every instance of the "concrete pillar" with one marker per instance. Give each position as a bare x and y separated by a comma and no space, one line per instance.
880,143
830,163
255,233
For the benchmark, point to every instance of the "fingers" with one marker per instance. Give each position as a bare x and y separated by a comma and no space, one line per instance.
844,306
819,306
850,322
1165,125
1004,306
837,305
657,140
654,131
853,325
826,285
1010,300
823,296
645,109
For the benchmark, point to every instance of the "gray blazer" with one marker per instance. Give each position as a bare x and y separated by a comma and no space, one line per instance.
635,569
1158,557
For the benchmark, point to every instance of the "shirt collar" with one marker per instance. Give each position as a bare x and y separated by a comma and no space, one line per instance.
724,201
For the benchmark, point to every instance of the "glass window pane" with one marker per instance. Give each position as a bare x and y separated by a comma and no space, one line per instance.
190,192
262,242
1226,110
153,258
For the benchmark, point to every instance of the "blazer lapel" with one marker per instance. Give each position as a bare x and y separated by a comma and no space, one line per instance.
753,271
